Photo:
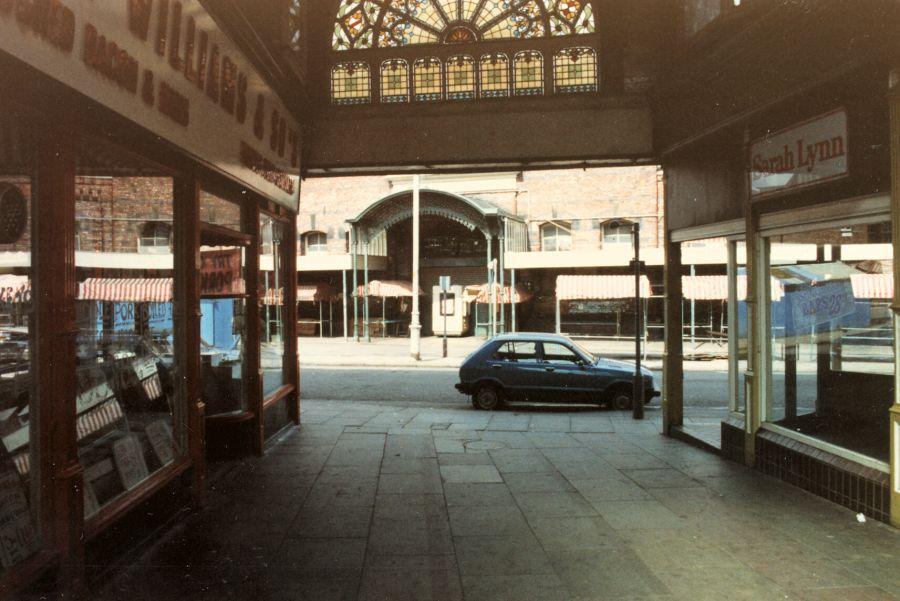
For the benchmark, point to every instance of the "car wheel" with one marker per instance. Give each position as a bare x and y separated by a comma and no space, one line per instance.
620,399
486,398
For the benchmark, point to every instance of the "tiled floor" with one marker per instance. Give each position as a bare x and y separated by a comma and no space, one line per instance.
380,502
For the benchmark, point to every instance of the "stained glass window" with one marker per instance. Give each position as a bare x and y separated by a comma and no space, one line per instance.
395,81
575,70
427,79
494,72
350,83
528,68
393,23
461,77
295,25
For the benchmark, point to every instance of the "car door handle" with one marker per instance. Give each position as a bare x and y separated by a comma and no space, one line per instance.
496,366
548,368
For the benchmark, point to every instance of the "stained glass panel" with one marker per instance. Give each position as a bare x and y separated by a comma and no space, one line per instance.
460,77
427,79
350,83
402,22
395,81
494,72
575,70
528,67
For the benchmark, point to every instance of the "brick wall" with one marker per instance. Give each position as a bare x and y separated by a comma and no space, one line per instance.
580,198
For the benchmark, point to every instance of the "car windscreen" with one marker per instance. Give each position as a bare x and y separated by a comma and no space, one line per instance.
580,349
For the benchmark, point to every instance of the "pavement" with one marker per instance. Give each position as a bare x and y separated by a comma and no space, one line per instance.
395,501
394,352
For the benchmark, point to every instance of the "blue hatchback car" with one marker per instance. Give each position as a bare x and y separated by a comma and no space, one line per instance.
547,368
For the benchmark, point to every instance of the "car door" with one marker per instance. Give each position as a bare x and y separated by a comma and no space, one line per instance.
516,365
566,376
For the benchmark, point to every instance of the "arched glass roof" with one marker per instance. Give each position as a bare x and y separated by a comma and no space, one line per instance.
394,23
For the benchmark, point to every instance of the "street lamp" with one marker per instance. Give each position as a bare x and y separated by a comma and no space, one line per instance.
637,394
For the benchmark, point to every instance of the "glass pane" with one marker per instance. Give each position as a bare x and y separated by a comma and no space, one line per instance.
18,518
223,307
575,70
831,335
739,363
704,310
129,420
272,279
557,353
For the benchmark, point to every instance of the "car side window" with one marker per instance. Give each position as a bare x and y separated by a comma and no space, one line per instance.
559,354
519,352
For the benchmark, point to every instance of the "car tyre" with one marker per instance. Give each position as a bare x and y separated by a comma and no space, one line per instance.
621,398
487,398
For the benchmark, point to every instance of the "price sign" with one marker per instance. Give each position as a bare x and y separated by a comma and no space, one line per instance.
129,456
162,441
221,273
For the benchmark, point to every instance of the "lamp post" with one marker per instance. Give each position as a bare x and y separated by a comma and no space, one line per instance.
637,393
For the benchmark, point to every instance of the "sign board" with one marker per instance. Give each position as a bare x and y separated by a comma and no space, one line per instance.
221,273
17,536
160,435
815,306
444,283
129,456
806,154
167,66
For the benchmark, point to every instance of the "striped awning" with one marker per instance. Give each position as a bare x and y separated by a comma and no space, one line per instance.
482,294
599,287
873,285
15,289
715,287
316,293
134,290
388,289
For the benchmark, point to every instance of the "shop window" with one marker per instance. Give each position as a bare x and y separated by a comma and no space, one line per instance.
519,352
223,306
556,237
130,417
351,83
21,492
156,237
528,72
575,70
714,325
461,77
427,76
494,74
830,344
273,280
315,243
395,81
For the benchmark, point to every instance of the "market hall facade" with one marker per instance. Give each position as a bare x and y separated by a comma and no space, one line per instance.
113,398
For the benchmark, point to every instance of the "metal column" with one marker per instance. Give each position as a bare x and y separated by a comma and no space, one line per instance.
415,327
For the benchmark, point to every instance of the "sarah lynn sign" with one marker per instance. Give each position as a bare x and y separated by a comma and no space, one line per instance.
167,66
809,153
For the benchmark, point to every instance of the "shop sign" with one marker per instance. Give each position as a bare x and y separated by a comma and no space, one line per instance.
821,304
221,273
167,66
806,154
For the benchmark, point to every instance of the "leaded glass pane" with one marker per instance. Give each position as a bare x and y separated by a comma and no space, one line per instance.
491,11
450,8
575,70
527,21
427,75
460,77
395,81
529,73
468,9
494,71
350,83
398,30
585,21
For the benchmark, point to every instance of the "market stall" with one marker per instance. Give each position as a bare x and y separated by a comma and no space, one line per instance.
313,297
484,298
590,301
393,295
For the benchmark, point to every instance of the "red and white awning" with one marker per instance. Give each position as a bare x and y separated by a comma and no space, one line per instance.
388,289
599,287
15,289
127,290
482,294
316,293
706,287
873,285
